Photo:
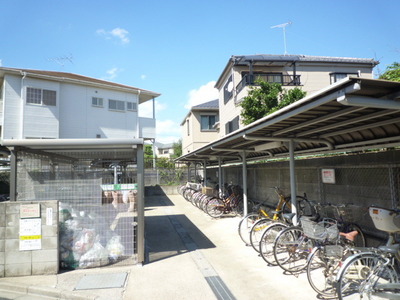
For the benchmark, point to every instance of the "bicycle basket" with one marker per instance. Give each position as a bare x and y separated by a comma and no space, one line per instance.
385,219
324,230
333,250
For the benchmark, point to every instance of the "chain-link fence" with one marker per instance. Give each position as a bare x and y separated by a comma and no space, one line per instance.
164,171
97,203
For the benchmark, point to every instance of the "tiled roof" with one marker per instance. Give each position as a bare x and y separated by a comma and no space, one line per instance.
207,105
304,58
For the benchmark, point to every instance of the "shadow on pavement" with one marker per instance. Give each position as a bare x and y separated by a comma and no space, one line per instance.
170,235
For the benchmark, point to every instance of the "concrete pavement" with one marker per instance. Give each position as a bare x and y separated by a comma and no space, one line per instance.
189,256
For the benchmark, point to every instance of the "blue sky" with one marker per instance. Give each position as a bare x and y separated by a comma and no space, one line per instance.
179,48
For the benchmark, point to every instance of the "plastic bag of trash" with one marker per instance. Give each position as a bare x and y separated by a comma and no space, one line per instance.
97,256
115,248
84,241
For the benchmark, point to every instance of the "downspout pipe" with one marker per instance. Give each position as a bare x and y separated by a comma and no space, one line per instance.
22,103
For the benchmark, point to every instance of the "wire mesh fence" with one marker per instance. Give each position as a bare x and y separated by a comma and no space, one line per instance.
97,203
164,171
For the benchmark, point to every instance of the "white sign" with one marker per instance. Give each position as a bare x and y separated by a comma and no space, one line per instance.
49,216
30,234
328,176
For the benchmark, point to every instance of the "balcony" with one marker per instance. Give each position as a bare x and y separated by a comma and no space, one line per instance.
285,80
147,128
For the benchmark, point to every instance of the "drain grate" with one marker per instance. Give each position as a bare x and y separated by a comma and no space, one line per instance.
102,281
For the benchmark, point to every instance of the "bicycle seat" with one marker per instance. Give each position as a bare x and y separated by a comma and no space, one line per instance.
288,216
349,235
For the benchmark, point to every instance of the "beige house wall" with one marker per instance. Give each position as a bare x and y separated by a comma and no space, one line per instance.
313,77
196,138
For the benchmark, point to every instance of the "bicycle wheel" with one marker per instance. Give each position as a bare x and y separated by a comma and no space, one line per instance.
291,249
237,207
256,232
215,207
360,237
304,208
361,275
267,242
245,225
322,270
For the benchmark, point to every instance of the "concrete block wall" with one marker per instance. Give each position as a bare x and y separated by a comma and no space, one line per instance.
13,261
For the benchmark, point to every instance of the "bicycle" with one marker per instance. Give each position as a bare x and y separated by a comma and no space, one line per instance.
327,257
259,211
343,214
282,214
233,203
373,273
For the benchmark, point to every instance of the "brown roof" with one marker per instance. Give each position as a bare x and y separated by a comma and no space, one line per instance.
63,76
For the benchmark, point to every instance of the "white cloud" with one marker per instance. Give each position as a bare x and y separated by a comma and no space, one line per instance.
203,94
146,109
1,63
119,33
143,76
112,73
168,131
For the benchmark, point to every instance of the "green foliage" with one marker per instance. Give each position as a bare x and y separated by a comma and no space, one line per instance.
165,163
265,99
148,151
392,72
177,146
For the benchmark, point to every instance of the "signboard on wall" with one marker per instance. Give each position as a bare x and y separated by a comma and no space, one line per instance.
328,176
119,187
30,234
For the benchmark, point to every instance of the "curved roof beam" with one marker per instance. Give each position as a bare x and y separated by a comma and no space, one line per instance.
282,139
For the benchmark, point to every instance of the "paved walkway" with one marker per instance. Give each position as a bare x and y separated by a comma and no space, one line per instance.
189,256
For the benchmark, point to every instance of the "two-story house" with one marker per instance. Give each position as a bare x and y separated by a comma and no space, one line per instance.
37,104
200,126
310,73
163,150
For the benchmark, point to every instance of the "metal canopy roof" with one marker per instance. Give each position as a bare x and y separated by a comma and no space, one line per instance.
351,115
123,148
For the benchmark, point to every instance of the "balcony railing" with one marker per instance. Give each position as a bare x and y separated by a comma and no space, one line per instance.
286,80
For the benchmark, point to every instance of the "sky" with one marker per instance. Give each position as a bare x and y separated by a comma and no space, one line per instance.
179,48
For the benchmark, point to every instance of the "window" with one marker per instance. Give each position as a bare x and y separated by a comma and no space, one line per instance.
49,98
40,96
187,127
97,102
116,105
208,122
131,106
338,76
232,125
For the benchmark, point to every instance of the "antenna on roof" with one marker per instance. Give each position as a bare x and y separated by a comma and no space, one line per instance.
283,26
62,59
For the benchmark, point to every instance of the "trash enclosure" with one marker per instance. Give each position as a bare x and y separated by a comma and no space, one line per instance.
98,184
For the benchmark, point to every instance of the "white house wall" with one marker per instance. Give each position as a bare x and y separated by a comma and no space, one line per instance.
40,121
72,117
12,108
80,119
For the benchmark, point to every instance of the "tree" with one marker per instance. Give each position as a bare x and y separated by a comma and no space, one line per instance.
265,99
392,72
177,146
